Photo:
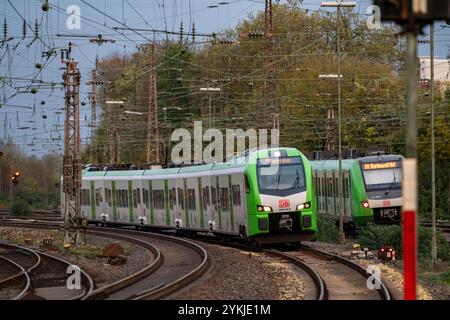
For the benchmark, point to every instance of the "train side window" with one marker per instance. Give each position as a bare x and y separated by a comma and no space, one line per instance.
191,199
247,184
206,198
236,192
97,197
224,199
214,197
145,197
126,199
134,198
181,198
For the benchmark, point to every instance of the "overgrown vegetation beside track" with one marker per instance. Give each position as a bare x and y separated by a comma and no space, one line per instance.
374,236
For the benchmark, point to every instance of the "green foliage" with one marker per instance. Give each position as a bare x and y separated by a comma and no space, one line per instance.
327,231
20,208
374,236
442,278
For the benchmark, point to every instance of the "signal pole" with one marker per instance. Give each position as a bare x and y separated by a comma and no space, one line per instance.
433,154
270,85
72,159
153,127
93,97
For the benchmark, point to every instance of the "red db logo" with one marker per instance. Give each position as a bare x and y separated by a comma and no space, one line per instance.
386,203
284,203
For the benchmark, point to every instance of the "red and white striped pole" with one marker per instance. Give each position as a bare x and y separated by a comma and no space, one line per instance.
410,175
409,227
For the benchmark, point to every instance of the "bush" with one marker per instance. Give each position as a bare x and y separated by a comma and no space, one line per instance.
374,236
327,231
20,208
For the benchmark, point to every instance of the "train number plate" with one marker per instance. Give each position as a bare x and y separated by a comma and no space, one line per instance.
388,213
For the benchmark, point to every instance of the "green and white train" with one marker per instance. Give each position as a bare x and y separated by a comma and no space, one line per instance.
265,196
372,189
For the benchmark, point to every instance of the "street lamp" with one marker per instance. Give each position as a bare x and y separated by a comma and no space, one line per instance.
338,4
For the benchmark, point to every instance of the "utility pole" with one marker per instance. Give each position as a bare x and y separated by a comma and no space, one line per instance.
270,83
338,6
433,163
72,160
93,98
114,133
153,127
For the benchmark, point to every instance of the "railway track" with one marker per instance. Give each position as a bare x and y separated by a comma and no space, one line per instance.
344,279
177,262
43,276
326,276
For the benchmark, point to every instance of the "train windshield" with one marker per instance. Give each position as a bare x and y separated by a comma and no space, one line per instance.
382,176
281,176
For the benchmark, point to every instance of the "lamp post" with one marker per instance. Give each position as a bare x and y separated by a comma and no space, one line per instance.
338,4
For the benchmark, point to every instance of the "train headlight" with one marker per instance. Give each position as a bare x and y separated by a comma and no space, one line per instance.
264,208
305,205
365,204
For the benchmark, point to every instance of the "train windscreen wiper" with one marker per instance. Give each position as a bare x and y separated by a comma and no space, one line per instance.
391,185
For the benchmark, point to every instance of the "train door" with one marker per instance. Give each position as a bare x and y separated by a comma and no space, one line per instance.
238,204
215,207
347,211
172,201
192,195
224,202
85,204
158,202
182,219
140,213
208,210
122,200
146,201
107,207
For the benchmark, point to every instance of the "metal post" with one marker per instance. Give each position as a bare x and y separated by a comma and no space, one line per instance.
341,212
433,164
410,174
152,130
11,193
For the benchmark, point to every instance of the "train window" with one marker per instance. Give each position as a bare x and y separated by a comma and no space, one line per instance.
100,192
145,197
97,197
181,198
247,185
191,199
138,195
336,183
236,194
134,198
158,198
172,198
213,196
126,204
206,198
224,199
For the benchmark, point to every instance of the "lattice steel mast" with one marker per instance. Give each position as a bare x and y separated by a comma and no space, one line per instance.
72,159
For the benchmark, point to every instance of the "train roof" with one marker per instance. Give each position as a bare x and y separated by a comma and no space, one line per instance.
237,163
348,163
332,164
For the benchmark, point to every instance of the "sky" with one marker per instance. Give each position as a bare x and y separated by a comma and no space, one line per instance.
35,121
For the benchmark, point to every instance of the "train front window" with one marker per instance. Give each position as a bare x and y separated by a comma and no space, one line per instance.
281,176
383,176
